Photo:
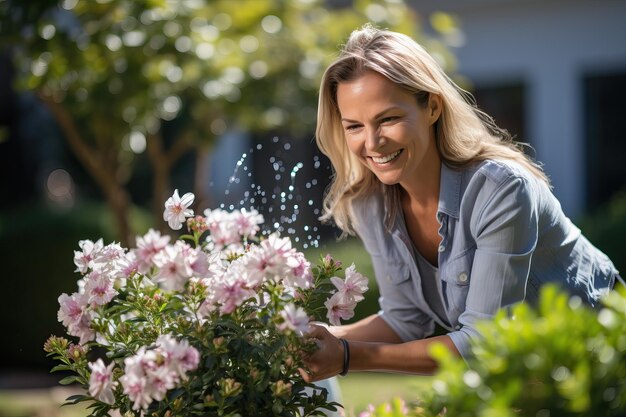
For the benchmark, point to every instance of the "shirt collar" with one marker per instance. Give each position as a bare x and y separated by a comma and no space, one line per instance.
449,191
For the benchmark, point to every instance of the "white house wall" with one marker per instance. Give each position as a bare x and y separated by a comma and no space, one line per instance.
550,46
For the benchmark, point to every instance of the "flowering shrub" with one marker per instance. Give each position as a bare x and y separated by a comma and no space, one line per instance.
211,324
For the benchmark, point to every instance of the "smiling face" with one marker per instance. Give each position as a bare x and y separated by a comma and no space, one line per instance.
387,130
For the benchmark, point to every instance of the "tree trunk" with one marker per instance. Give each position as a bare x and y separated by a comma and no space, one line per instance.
114,192
162,161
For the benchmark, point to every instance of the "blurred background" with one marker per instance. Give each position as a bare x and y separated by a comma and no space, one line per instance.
107,106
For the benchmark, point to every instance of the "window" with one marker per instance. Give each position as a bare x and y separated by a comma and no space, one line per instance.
506,104
605,137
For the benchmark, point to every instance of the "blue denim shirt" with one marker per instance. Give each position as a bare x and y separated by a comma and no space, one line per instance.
503,235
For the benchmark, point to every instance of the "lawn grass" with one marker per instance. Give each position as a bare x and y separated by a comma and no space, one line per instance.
359,389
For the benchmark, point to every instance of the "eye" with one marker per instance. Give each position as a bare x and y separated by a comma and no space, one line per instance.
351,128
388,119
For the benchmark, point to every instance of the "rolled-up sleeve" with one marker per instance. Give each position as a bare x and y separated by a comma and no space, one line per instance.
504,225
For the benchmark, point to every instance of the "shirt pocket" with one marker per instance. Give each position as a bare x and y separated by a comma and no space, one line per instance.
456,277
390,270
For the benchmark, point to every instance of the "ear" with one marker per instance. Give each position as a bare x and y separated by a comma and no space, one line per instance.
434,108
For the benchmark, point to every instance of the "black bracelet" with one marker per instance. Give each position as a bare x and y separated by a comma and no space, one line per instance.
346,357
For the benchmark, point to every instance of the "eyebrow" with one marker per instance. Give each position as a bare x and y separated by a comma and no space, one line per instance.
378,115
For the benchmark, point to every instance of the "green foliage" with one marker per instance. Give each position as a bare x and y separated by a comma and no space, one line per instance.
606,228
562,359
127,65
157,79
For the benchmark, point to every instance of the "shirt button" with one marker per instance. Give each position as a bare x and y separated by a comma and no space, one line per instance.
462,277
441,248
388,277
457,327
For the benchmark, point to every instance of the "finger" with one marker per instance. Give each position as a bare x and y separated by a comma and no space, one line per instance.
304,374
316,331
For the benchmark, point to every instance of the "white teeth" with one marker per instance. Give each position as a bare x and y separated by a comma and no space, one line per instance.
384,159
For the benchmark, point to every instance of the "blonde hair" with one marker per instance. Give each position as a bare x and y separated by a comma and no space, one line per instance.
464,134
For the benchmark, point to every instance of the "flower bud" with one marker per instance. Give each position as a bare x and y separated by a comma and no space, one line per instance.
229,387
56,344
77,352
281,389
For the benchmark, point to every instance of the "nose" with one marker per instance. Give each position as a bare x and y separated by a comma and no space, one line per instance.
374,140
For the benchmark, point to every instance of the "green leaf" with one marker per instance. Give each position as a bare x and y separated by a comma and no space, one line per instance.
70,379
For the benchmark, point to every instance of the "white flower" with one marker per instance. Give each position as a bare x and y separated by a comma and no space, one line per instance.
339,308
353,286
177,209
76,316
174,267
149,245
248,222
99,288
101,382
296,319
149,374
89,252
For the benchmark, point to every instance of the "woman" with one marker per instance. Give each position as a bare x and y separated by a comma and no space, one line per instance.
458,221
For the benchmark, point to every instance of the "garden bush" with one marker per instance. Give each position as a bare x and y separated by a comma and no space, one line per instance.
559,359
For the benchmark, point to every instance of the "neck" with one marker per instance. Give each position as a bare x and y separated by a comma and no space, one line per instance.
423,189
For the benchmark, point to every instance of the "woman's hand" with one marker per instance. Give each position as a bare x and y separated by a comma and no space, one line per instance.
327,360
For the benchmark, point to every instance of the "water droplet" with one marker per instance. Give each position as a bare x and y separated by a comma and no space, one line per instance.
287,146
259,147
275,139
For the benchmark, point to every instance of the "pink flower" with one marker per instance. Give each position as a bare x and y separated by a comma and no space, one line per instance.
353,286
174,268
84,259
150,373
248,222
135,387
148,246
231,294
295,318
99,288
101,382
300,276
276,245
223,231
75,315
339,308
180,356
257,266
177,210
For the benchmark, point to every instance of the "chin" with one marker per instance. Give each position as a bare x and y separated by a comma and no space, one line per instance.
388,181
